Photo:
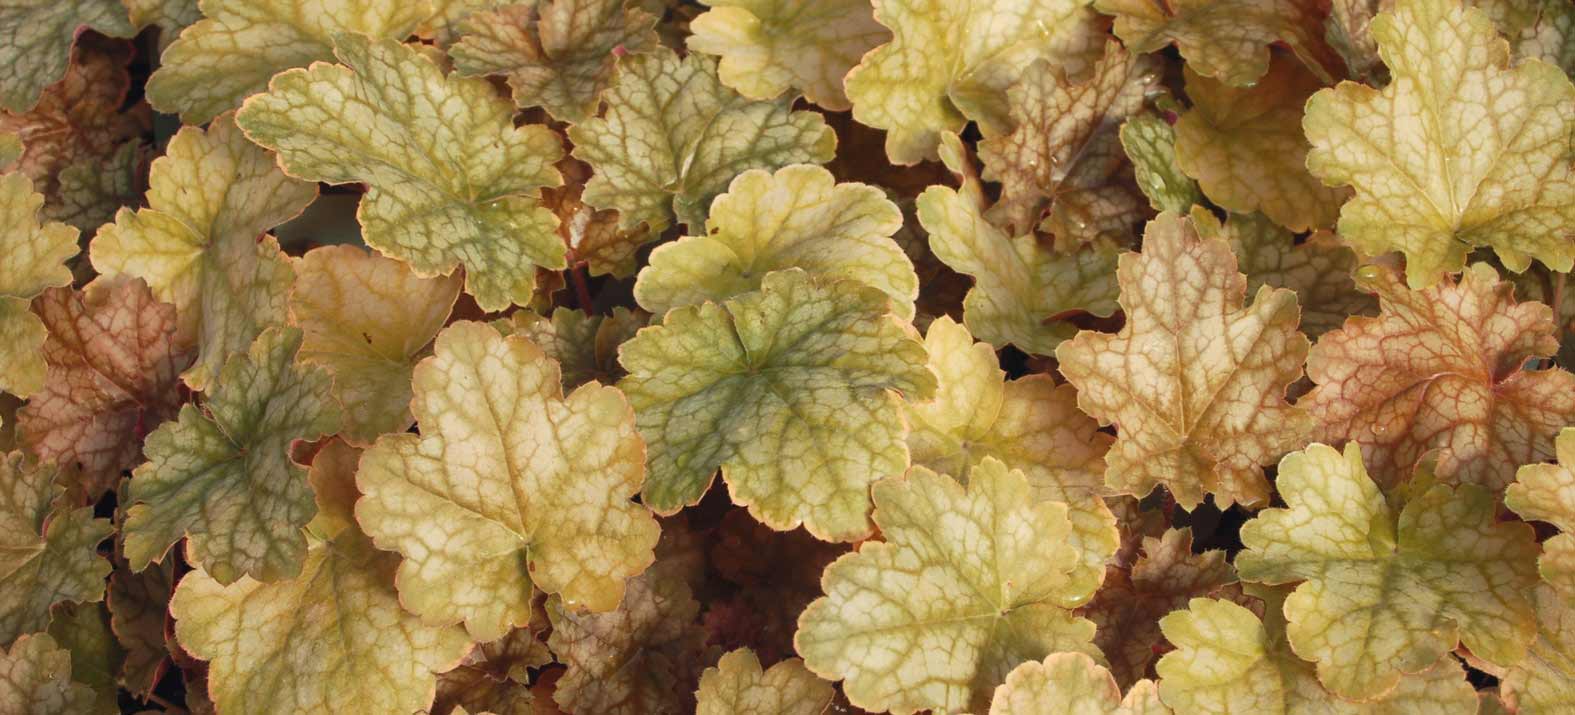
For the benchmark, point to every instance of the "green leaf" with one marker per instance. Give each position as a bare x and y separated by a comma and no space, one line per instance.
790,390
48,547
693,137
39,35
35,255
222,474
770,46
453,181
1150,144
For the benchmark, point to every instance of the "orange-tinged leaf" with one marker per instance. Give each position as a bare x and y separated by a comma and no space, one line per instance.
1226,39
39,35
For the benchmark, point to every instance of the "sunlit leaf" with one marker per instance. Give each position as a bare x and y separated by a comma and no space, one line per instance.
736,685
1071,683
770,46
1546,492
35,255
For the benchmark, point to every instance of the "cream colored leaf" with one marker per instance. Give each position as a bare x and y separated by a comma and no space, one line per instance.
790,390
1387,591
35,679
196,244
1150,144
1245,147
951,61
1022,289
1226,39
673,138
1195,381
968,584
221,474
1443,368
35,256
1460,150
48,547
737,686
240,44
770,46
556,54
38,38
797,217
1546,492
510,484
1071,683
367,319
1544,683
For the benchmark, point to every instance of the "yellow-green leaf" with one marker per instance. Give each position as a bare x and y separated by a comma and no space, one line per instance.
453,181
556,54
951,61
968,584
48,547
790,390
737,686
35,256
1071,683
367,319
221,474
197,246
1195,381
1226,39
1544,682
797,217
1388,591
1022,289
39,35
673,137
1546,492
1461,150
770,46
584,346
240,44
1150,144
35,679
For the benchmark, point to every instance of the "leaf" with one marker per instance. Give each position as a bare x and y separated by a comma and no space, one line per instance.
1128,607
1150,144
1544,29
1022,290
969,583
1544,683
1228,661
40,35
584,346
231,53
138,609
170,16
1245,147
334,639
92,189
797,217
768,47
1195,381
1443,369
952,61
1319,269
640,659
1389,591
35,677
1063,129
495,677
482,209
1071,683
510,484
196,244
1546,492
83,630
556,54
1226,39
1460,150
1030,424
35,254
593,236
222,475
790,390
367,319
699,134
48,548
736,685
114,361
767,577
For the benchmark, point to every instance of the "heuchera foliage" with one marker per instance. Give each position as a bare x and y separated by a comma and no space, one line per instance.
787,357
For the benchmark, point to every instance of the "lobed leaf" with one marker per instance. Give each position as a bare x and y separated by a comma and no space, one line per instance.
48,547
1071,683
1546,492
1226,39
35,677
737,685
35,255
39,36
770,46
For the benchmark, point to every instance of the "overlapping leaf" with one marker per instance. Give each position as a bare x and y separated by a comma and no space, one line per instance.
367,319
673,138
39,35
453,181
35,678
1226,39
1388,591
1071,683
951,61
1443,368
1460,150
1544,682
196,244
1546,492
556,54
1544,29
240,44
35,255
770,46
968,584
221,474
790,390
48,547
584,346
797,217
1195,381
1150,144
521,486
737,686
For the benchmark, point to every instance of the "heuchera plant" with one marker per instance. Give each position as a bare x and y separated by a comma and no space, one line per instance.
786,357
